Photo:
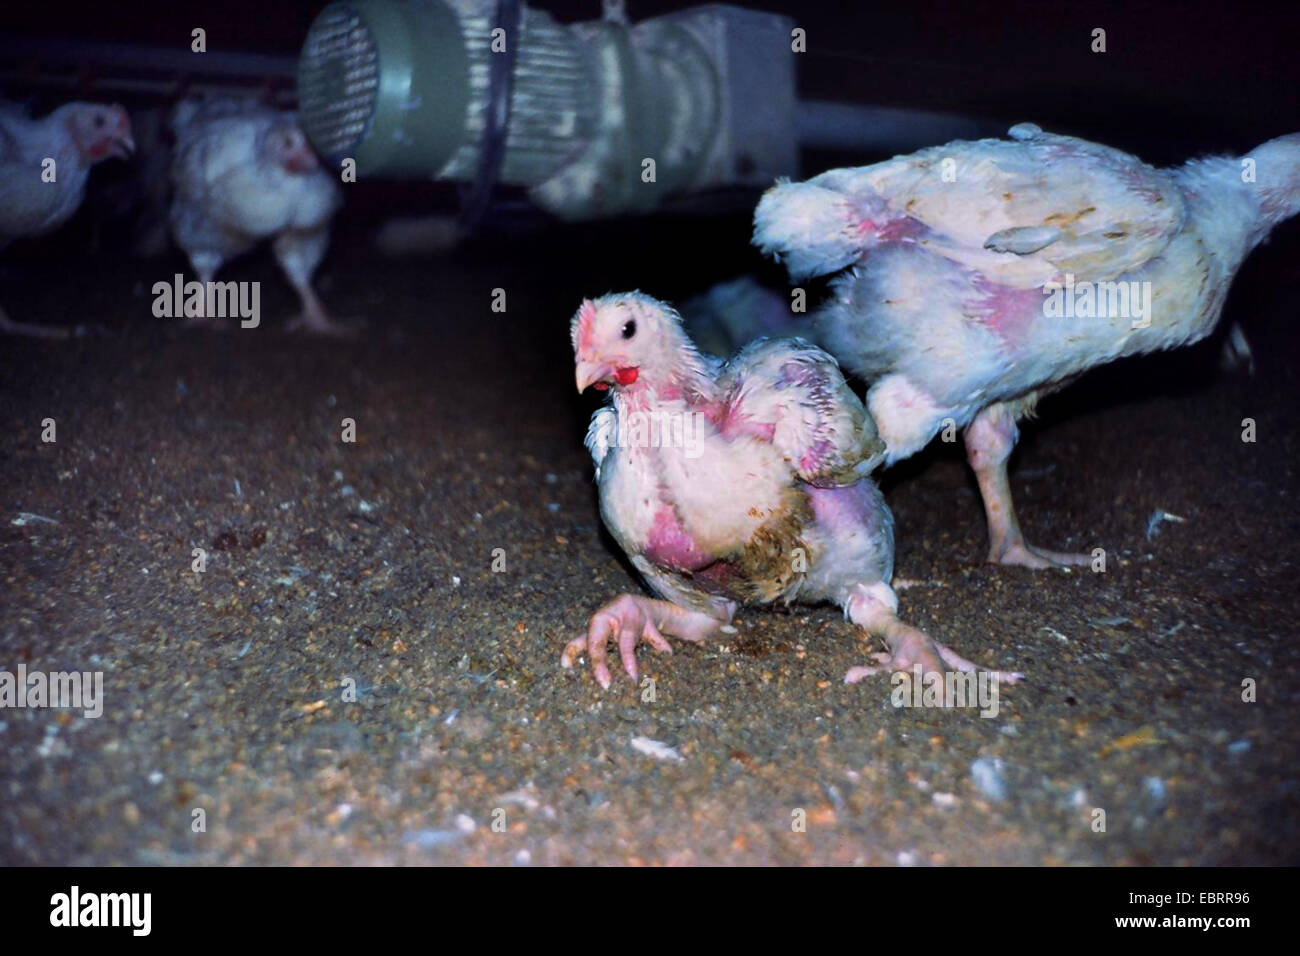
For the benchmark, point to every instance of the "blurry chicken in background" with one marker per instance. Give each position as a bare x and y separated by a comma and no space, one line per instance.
950,254
730,315
127,204
243,173
37,195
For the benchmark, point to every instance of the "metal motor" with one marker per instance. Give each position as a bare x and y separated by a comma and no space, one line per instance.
594,118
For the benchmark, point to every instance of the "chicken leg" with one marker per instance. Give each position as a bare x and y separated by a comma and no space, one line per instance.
990,438
206,265
299,253
874,609
9,327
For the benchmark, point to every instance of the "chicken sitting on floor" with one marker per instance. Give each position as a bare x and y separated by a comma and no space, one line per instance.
739,483
244,173
44,165
982,275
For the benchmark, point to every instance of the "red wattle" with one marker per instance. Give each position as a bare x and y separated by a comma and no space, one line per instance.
302,161
626,375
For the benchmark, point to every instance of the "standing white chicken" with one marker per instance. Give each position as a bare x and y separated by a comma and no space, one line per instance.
743,482
44,165
982,275
244,173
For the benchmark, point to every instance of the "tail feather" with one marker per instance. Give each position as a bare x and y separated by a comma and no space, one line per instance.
1277,177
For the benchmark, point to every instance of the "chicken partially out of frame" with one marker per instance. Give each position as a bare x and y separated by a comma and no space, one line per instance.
975,277
44,166
243,174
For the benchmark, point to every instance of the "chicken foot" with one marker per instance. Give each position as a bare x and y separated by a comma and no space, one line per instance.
314,319
634,620
874,609
9,327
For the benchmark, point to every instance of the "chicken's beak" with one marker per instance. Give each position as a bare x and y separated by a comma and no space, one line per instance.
589,373
123,146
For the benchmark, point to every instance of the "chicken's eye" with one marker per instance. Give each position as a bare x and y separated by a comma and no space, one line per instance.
629,328
99,122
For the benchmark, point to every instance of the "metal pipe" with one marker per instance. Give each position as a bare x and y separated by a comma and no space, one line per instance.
821,124
160,88
139,58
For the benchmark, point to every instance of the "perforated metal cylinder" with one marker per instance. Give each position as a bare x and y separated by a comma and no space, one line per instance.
603,117
338,82
403,86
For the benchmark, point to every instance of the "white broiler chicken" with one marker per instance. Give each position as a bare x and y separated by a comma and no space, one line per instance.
44,165
244,173
745,482
979,276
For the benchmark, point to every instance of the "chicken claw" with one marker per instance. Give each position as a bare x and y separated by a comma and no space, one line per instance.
9,327
635,620
1025,555
319,322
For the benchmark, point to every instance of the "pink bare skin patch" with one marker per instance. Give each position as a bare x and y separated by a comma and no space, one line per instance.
670,546
1009,313
891,230
730,420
